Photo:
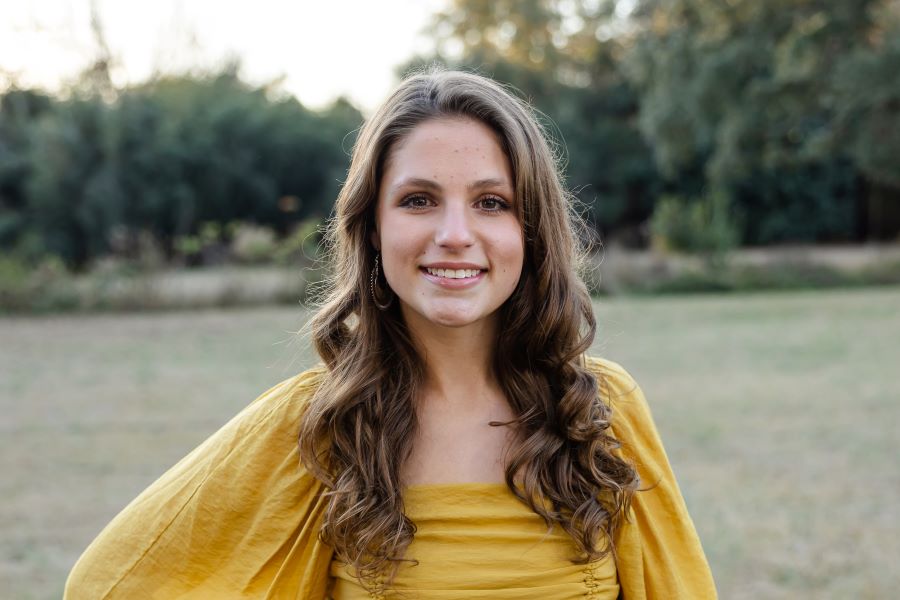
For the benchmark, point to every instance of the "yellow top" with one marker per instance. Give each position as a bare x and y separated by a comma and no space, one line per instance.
474,537
239,517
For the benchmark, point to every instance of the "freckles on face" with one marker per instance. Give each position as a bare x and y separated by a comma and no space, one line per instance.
451,243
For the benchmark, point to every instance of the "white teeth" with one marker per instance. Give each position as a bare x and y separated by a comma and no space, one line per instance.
454,273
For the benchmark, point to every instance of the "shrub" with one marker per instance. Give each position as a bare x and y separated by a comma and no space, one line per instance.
208,247
253,244
46,286
702,225
301,246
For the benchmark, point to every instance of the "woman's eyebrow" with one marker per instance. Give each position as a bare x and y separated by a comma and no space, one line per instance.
417,182
489,182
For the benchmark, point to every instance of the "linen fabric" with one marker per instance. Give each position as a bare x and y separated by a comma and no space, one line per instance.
239,517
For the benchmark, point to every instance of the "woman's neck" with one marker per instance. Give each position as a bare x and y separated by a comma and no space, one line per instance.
458,363
459,400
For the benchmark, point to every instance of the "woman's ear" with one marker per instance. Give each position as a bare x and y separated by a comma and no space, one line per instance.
375,239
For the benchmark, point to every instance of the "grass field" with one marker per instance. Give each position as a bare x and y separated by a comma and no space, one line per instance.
780,414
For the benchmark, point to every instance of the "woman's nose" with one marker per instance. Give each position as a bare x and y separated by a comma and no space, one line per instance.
454,229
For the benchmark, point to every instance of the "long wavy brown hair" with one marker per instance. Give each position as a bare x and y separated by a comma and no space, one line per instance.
357,431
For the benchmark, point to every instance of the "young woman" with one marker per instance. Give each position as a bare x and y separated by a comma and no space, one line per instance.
456,442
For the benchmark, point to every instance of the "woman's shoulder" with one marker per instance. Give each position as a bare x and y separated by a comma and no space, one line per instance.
631,422
613,381
286,398
299,387
270,421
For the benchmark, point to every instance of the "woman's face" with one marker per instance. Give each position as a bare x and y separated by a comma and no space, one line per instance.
451,244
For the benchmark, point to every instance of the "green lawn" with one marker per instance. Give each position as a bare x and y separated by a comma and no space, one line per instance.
780,413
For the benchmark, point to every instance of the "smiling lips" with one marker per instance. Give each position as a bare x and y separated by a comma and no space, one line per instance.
454,273
449,276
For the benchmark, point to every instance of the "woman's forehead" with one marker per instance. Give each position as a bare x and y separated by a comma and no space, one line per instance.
444,152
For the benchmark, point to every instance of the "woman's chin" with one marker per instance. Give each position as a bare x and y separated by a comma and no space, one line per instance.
452,315
454,321
450,318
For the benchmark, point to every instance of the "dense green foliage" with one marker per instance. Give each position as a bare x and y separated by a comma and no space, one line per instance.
82,176
747,92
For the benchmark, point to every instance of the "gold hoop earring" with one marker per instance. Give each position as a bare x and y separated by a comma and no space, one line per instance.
373,278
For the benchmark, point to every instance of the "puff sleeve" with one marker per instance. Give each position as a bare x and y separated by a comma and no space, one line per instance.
658,551
237,517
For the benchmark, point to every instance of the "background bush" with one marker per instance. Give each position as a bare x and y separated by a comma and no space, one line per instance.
702,225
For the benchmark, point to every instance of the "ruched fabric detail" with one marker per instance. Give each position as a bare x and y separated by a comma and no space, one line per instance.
478,539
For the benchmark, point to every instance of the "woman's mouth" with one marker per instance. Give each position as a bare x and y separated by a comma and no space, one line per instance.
453,278
453,273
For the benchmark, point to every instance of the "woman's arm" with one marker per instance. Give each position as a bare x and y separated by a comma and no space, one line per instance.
237,517
658,551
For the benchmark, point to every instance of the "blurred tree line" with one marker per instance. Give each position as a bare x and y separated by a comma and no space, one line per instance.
716,123
86,175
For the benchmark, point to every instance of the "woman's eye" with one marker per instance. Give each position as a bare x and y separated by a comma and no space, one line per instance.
492,204
415,202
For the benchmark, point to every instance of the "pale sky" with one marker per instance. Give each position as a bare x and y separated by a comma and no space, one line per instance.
323,49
